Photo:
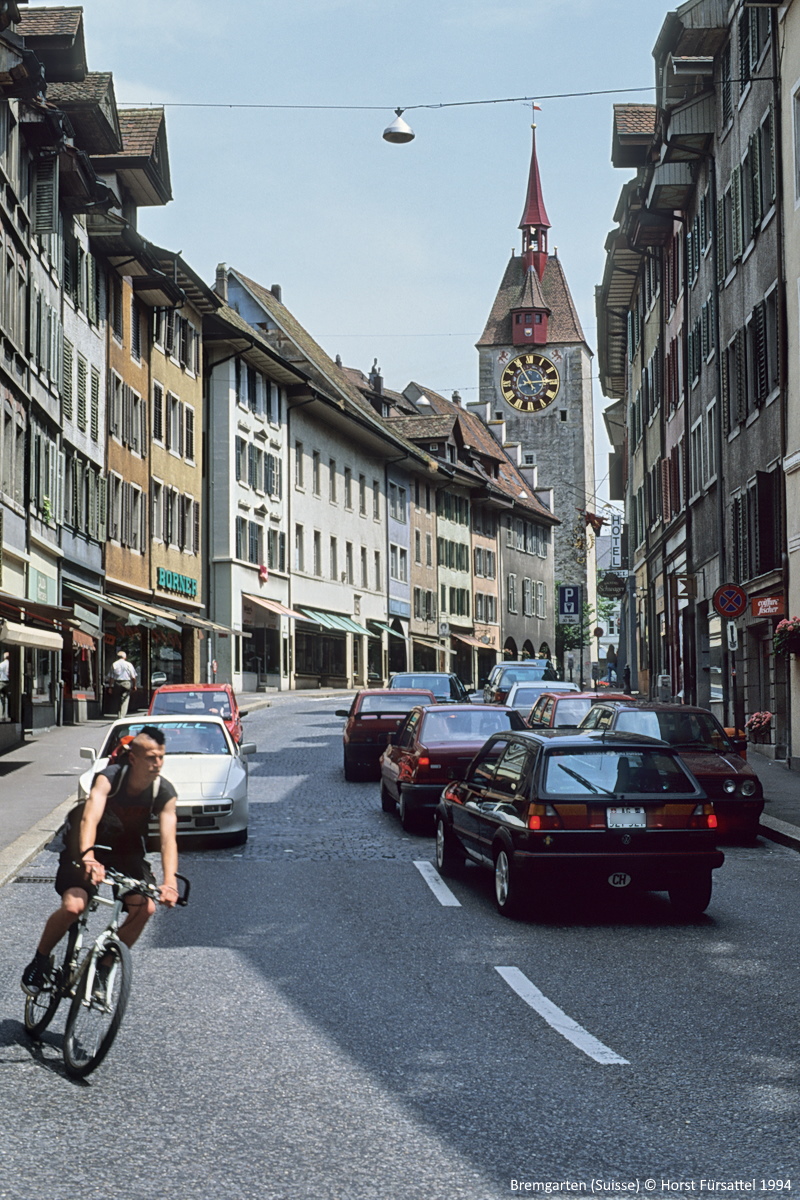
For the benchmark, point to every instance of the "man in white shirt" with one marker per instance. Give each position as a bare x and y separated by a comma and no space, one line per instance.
4,667
123,676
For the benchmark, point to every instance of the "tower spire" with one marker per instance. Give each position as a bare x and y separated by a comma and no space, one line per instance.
535,222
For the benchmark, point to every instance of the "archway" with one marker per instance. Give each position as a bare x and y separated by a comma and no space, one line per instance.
510,649
527,649
544,651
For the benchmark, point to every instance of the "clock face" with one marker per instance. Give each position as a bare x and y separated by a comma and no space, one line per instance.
529,382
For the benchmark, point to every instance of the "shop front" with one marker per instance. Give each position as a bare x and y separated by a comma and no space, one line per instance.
331,650
31,642
267,628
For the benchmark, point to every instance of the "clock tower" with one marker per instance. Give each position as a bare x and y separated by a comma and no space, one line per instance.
536,386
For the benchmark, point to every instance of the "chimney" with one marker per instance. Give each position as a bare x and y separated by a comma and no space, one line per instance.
456,398
376,379
338,360
276,291
221,281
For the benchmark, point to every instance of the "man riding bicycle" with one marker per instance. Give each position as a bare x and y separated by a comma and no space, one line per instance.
117,813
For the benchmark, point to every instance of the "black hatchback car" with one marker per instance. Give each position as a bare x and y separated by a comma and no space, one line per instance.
608,811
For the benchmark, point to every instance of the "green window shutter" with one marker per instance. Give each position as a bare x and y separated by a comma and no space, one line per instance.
82,379
95,405
66,380
44,195
736,212
720,234
755,179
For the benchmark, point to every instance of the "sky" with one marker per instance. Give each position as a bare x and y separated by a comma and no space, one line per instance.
383,251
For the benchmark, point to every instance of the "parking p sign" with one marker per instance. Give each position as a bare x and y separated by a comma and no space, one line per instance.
570,604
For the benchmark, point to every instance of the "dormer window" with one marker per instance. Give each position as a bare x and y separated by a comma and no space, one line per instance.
451,453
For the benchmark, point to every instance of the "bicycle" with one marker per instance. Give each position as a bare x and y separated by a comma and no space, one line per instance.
98,984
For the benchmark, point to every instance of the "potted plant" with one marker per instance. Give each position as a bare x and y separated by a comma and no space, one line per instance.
786,639
758,726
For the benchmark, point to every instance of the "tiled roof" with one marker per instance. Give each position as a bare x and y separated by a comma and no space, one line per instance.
49,22
634,119
139,128
91,90
531,295
477,438
564,324
427,428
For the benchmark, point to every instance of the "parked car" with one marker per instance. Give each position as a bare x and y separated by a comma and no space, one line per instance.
195,699
709,753
523,696
375,715
207,768
435,745
447,689
596,811
500,681
557,710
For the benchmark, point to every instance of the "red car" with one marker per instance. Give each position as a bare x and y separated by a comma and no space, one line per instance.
435,745
712,757
374,715
554,710
199,699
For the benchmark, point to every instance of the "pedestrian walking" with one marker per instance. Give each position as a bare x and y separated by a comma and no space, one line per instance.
5,664
611,664
123,676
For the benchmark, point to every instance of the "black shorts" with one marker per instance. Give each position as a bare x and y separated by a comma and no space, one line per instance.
69,876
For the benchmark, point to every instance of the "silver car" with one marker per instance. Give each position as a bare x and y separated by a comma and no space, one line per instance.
205,766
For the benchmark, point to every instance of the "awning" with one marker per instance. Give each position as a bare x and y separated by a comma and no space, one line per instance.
274,606
122,607
83,640
335,621
24,635
33,608
473,641
388,629
426,641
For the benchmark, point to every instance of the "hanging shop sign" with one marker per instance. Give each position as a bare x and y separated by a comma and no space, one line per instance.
768,606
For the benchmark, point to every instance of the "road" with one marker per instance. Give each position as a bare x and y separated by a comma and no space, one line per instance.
318,1024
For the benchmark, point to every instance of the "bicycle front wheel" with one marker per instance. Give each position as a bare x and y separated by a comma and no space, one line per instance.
40,1010
97,1008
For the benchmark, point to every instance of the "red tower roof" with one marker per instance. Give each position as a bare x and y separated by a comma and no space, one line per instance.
535,212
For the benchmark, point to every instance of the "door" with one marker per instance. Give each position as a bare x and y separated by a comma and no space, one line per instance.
505,802
466,816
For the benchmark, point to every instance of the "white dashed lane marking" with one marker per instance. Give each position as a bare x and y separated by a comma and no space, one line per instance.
558,1020
437,885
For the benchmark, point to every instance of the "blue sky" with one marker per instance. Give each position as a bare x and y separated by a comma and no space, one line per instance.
375,244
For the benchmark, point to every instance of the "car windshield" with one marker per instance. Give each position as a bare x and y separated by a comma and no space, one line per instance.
438,684
464,726
614,772
390,704
684,729
216,704
181,737
570,711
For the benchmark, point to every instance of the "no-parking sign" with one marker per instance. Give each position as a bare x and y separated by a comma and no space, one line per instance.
730,601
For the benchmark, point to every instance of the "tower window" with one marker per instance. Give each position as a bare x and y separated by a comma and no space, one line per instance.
538,318
563,414
498,416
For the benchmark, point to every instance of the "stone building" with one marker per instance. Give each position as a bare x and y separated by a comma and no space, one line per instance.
536,379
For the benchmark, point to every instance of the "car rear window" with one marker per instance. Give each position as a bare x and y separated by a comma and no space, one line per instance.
215,704
614,772
569,712
180,737
467,726
679,729
520,674
438,684
390,704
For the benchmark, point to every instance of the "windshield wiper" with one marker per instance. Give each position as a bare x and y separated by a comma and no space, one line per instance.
591,786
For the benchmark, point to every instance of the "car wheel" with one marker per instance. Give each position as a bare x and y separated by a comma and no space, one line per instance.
387,803
449,856
691,895
507,892
408,818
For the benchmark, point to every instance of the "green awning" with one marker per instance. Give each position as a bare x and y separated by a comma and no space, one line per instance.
388,629
329,620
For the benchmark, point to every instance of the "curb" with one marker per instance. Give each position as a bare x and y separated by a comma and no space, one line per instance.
28,844
779,831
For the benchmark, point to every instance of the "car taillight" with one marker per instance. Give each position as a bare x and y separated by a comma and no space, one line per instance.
703,817
542,816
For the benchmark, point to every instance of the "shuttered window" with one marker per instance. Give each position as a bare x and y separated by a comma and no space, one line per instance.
158,413
82,384
94,425
66,380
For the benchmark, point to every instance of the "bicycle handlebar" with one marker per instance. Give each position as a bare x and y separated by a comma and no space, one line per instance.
129,884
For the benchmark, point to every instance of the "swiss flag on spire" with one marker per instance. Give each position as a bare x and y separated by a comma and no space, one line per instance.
535,212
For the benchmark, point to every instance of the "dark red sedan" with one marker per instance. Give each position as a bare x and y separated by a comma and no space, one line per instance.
435,745
374,715
566,710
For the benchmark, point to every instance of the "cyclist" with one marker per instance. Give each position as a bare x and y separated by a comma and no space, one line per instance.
116,813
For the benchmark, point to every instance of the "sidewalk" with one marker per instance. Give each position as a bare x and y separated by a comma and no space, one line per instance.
38,782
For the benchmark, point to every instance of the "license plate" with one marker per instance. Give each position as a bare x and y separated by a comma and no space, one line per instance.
626,818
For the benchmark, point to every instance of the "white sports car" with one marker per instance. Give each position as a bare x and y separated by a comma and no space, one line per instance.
205,766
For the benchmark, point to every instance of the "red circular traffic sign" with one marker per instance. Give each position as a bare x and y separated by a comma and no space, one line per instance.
730,600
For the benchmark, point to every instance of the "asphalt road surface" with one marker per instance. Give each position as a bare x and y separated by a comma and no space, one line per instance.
326,1021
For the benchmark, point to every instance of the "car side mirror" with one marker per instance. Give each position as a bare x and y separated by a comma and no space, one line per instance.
244,712
740,746
248,748
87,752
342,712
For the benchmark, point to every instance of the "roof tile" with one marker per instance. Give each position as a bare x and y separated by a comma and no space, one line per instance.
49,22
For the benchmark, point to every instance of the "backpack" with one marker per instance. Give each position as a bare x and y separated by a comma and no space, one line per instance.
67,836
